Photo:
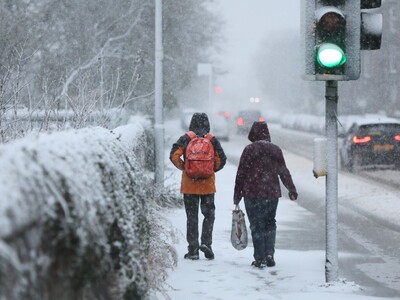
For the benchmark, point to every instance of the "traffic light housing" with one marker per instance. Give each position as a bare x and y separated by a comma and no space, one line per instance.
334,32
371,26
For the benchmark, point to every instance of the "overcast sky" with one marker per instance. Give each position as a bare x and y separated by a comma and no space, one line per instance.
248,22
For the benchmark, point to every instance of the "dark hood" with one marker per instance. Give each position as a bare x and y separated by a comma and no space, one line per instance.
259,131
200,124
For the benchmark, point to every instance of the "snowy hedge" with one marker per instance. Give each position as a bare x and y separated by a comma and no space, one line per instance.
77,217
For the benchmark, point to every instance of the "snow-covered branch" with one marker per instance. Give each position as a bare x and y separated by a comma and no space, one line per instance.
102,52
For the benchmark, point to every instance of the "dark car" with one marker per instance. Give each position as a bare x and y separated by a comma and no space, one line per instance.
246,118
371,145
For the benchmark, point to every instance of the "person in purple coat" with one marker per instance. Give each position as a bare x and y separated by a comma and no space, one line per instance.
257,181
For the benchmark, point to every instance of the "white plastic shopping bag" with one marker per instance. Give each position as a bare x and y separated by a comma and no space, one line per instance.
239,230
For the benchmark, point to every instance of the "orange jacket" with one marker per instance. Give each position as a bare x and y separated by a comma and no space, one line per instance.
196,186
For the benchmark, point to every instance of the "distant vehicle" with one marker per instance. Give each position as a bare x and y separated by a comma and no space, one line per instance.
371,145
246,118
219,126
186,117
225,113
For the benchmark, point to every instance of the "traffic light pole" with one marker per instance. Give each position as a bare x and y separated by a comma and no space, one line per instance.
334,34
331,261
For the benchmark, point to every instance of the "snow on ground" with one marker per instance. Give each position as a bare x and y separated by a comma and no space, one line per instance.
297,275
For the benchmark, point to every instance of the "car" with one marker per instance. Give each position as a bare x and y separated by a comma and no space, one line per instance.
246,118
219,126
226,114
371,145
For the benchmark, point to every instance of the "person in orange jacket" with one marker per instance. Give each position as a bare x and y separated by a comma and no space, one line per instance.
198,191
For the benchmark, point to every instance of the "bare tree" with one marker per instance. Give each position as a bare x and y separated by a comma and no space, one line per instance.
86,57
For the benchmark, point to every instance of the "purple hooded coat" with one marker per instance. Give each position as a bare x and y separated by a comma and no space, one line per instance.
260,167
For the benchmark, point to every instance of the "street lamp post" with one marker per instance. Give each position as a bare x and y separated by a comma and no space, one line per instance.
158,110
206,69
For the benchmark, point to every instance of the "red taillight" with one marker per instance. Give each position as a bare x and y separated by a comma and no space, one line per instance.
397,137
227,114
240,121
261,119
361,140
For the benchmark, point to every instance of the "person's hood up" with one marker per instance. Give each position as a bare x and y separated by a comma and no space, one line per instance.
200,124
259,131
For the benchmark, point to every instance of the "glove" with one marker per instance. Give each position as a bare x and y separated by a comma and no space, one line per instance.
236,199
237,196
293,196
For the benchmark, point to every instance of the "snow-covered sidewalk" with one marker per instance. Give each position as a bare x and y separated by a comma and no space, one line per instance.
300,254
298,274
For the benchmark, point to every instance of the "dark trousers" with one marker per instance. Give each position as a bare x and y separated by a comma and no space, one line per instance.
192,213
261,214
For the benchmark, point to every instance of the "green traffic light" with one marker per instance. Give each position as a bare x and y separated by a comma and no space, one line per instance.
330,55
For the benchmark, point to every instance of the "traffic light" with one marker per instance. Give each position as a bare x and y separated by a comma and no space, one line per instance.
331,30
330,39
371,26
334,32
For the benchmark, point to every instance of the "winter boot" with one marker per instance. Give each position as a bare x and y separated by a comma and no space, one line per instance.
258,264
270,262
208,253
193,255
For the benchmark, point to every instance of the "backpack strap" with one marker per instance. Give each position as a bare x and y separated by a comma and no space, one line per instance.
191,134
209,136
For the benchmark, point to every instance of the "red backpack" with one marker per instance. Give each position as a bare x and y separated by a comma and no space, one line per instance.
199,156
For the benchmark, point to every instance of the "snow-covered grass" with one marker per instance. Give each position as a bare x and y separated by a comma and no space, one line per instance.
78,216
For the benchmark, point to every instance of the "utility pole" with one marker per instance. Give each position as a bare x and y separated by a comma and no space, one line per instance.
207,70
210,91
158,111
